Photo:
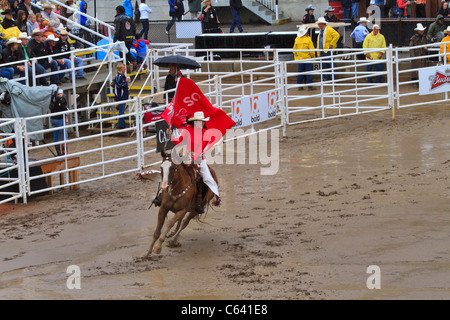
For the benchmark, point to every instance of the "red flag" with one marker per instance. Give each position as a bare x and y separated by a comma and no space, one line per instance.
190,99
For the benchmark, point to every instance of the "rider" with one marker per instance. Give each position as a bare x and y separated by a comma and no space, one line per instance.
197,143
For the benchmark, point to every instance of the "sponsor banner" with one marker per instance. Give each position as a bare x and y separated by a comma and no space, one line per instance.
257,108
434,79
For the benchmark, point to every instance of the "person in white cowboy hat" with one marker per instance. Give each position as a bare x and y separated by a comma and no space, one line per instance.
10,54
327,39
330,16
359,34
25,54
38,50
50,16
418,39
52,48
374,40
197,143
445,46
64,46
304,42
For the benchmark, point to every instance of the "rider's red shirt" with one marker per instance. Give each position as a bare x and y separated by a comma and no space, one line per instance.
197,141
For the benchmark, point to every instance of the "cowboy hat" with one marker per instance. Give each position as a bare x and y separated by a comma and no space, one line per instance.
329,9
321,20
51,37
23,35
200,116
35,32
12,40
447,30
7,11
47,6
363,19
310,7
420,27
64,32
302,31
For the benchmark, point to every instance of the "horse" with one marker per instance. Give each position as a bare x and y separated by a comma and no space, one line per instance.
179,187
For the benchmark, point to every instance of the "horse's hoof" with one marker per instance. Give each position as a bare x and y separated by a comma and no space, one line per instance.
173,244
157,250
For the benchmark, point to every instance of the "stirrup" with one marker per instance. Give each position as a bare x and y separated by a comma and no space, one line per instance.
199,209
157,201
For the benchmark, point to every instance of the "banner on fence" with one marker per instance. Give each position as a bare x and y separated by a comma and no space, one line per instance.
434,79
257,108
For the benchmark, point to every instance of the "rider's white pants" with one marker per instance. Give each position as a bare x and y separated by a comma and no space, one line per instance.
208,178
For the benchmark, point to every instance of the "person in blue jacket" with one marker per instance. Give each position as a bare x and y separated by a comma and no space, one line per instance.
176,11
128,8
121,91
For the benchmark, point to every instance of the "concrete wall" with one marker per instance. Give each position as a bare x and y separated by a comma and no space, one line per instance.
295,9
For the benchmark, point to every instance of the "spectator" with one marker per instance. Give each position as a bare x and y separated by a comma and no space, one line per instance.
57,121
176,11
420,9
374,40
210,22
444,10
7,56
6,71
21,21
236,6
125,31
304,42
326,40
418,39
347,8
48,15
40,21
64,46
355,9
445,46
14,4
32,24
359,34
8,21
38,50
402,4
121,91
436,31
144,12
25,54
128,8
26,6
141,49
380,4
195,7
171,81
66,13
309,16
85,22
51,48
10,54
330,16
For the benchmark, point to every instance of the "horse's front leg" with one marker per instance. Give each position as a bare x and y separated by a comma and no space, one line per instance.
170,235
177,217
184,223
162,213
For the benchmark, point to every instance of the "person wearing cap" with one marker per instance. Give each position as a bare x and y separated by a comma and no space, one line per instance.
445,46
304,42
197,144
8,21
63,45
359,34
330,16
236,6
38,50
11,54
436,31
125,30
326,40
374,40
418,39
52,48
309,16
25,54
57,121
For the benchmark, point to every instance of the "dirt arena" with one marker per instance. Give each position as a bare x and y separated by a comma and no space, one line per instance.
349,193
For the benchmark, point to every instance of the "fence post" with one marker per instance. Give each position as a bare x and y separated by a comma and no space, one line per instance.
283,92
19,129
139,133
390,79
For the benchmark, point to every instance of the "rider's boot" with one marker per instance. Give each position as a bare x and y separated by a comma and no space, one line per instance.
198,198
158,200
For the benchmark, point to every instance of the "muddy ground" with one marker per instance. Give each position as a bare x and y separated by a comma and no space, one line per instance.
349,193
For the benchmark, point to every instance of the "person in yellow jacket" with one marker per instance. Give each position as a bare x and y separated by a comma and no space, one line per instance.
304,42
327,39
445,46
372,41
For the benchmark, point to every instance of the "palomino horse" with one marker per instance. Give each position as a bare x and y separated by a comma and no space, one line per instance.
179,187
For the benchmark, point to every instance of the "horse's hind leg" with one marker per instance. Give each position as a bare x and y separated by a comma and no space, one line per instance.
171,234
183,225
177,217
162,213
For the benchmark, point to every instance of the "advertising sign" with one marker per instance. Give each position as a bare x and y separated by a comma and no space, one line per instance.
434,79
257,108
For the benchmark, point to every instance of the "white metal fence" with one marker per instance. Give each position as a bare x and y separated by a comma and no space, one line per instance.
106,153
